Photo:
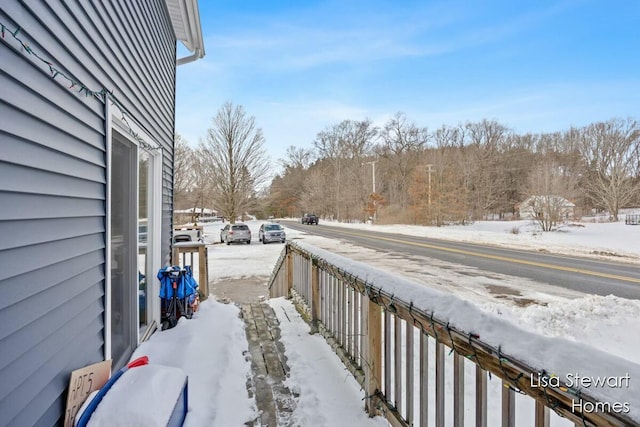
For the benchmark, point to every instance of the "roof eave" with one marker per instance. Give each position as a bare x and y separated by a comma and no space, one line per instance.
185,18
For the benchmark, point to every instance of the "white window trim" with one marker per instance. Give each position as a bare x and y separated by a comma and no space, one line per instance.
107,273
128,129
155,250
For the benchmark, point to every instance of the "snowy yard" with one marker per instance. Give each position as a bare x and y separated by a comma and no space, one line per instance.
211,347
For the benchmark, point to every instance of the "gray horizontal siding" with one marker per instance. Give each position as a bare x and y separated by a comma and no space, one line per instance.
47,230
53,182
26,153
28,258
26,86
42,316
18,288
46,385
30,206
21,179
22,126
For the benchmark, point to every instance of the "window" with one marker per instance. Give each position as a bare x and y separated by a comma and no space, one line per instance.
143,236
149,164
123,248
134,200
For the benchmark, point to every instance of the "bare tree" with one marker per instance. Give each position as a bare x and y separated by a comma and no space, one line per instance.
358,147
235,159
317,197
183,178
288,188
612,152
200,194
299,158
452,172
343,147
402,145
516,162
486,180
189,186
550,184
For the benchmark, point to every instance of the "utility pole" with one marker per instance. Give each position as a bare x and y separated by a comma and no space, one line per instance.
373,174
429,172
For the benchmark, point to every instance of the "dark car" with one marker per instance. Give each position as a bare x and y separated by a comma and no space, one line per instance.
271,233
233,233
309,218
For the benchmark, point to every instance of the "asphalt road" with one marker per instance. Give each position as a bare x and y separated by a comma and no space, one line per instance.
586,275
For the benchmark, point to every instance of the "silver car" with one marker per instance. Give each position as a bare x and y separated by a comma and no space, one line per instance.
271,233
233,233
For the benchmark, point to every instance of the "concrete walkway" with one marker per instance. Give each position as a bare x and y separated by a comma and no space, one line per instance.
275,401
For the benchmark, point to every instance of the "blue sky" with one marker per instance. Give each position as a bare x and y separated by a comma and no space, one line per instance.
300,66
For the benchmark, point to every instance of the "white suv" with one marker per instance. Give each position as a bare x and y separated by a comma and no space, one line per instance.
271,233
233,233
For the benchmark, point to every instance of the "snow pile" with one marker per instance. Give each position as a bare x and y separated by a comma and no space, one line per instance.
210,349
609,323
142,396
328,394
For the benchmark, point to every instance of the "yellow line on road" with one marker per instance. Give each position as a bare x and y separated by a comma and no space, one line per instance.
502,258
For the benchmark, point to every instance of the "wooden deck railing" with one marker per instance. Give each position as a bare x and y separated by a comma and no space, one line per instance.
397,350
194,254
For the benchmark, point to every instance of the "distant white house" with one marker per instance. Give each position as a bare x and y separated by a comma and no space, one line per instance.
535,207
196,214
197,211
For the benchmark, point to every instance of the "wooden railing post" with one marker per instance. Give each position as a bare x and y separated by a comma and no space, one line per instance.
440,391
199,248
409,372
397,372
458,390
542,415
315,296
373,371
508,407
203,267
481,397
174,256
289,272
424,380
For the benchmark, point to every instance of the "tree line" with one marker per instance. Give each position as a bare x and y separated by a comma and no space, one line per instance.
403,173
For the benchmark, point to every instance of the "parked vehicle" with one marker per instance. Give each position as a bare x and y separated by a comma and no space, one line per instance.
309,218
233,233
271,233
187,234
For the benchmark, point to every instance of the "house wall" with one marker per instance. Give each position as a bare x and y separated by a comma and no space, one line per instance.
53,182
526,209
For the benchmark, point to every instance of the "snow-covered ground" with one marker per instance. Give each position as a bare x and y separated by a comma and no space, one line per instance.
211,347
612,240
606,322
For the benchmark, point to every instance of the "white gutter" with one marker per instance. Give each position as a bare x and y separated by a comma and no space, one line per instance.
194,30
